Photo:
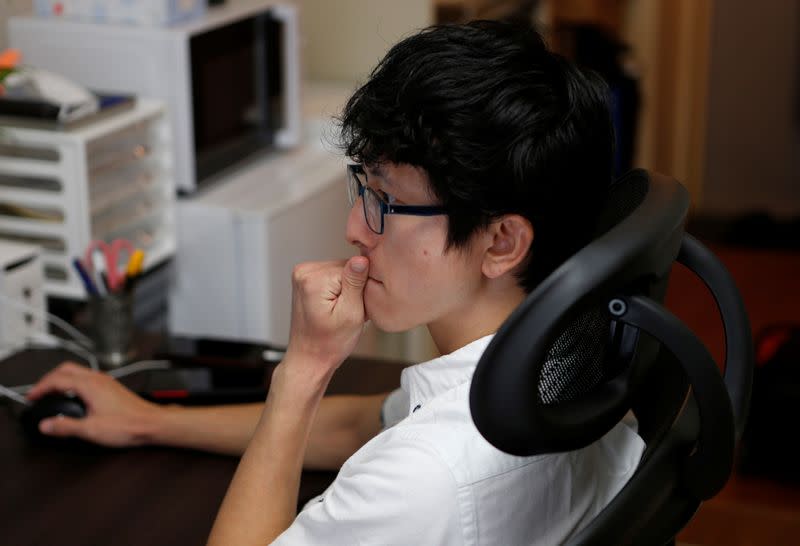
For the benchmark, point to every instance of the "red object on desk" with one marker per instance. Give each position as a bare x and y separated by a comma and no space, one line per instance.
170,393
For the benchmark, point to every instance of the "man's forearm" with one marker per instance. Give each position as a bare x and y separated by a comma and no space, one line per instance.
218,429
262,498
342,425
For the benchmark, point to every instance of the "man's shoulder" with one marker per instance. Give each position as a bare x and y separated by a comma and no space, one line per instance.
443,431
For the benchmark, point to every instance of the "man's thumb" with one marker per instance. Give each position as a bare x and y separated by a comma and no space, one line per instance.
60,426
355,274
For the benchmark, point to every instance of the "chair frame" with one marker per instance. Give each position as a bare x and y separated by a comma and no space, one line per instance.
691,437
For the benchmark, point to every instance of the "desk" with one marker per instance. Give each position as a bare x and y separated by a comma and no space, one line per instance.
142,496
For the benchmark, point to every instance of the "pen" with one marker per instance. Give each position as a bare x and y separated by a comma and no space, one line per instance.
134,268
87,280
99,267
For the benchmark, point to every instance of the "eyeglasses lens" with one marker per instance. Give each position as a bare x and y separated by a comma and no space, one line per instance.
372,210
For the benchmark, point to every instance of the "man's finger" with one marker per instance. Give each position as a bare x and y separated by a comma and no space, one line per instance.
64,377
56,383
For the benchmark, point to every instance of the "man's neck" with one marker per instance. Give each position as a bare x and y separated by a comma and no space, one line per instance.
479,317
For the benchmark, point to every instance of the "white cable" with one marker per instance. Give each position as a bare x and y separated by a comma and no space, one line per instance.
8,393
49,340
81,351
20,389
64,325
139,366
122,371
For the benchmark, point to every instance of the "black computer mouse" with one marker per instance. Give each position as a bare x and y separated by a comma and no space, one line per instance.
50,405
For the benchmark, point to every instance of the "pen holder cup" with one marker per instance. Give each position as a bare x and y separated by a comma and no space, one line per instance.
112,328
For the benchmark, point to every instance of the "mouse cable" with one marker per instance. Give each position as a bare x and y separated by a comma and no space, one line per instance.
116,373
139,366
76,334
16,397
47,340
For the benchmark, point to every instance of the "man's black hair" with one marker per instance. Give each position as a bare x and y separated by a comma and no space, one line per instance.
500,124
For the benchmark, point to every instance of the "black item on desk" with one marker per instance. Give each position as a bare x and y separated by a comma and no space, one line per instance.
209,371
207,385
50,405
197,352
186,397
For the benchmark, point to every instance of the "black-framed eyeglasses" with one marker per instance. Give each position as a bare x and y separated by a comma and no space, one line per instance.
375,206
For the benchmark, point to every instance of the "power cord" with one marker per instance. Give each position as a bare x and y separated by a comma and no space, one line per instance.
43,340
80,345
139,366
76,334
17,393
16,397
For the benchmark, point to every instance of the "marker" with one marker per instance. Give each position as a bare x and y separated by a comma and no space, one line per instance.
87,280
133,269
135,263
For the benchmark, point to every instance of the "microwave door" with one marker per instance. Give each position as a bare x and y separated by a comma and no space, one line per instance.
231,86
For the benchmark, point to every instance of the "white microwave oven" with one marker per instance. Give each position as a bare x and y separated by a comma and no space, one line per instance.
230,79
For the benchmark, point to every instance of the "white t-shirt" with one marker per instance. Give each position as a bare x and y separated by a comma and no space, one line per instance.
432,478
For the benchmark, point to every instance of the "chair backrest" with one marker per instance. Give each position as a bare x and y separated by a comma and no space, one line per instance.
647,361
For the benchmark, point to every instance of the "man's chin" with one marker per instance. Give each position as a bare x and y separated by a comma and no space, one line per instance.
382,320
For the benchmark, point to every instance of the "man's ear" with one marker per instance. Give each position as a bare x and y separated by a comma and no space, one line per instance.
509,239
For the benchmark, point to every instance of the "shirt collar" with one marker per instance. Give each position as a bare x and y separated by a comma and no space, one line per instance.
434,377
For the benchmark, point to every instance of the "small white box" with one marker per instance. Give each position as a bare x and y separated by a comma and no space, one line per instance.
22,303
135,12
109,178
156,62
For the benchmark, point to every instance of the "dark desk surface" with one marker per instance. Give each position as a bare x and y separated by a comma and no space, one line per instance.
88,495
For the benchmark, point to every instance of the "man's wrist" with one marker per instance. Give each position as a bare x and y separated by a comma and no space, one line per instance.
312,359
156,426
302,379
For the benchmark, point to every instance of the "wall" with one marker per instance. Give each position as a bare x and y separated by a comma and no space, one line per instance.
721,100
7,9
344,40
753,128
670,43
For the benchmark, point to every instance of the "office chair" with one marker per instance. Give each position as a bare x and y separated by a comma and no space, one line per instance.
593,341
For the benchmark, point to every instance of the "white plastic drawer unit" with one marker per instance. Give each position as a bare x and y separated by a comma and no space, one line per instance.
107,179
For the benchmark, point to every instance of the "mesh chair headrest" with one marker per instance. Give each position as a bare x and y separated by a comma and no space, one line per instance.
547,381
576,361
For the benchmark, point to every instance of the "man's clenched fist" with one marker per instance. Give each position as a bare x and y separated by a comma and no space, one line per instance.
327,311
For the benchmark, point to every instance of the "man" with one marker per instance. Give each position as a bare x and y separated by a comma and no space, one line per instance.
480,162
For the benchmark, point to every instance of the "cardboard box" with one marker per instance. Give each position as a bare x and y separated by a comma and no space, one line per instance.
135,12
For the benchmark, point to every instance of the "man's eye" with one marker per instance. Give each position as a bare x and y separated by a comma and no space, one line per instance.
387,197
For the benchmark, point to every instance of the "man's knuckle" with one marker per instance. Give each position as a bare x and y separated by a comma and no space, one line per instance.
301,274
67,366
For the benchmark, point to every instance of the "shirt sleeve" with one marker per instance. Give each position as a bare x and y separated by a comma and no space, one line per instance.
398,493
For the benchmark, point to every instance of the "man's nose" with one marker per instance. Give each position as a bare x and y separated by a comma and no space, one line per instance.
358,232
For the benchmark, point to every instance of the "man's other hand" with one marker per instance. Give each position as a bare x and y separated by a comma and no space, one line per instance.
115,416
327,310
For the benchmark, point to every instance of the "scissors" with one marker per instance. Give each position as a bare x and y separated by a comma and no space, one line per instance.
115,266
